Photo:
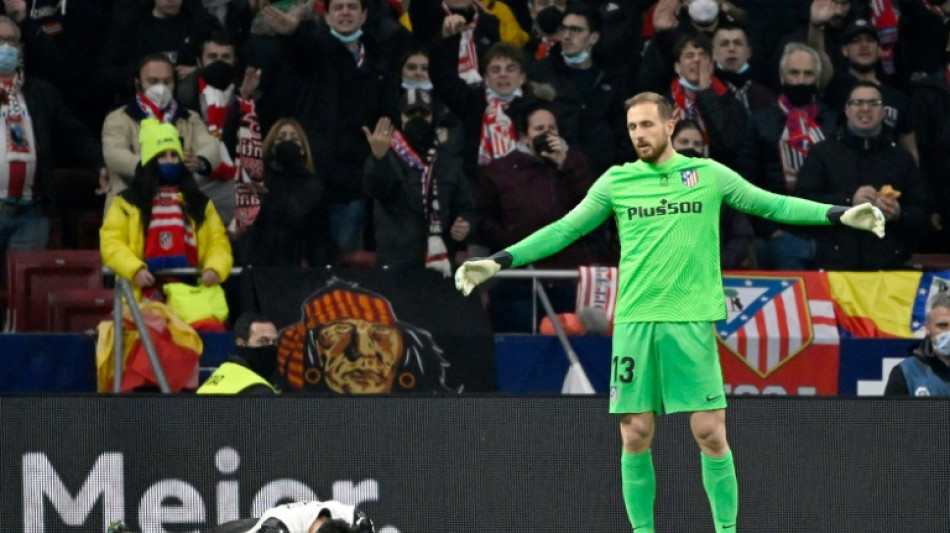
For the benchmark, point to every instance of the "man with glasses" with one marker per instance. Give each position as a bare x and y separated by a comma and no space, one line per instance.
587,100
862,163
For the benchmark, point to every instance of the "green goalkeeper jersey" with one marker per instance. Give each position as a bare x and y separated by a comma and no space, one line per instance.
668,220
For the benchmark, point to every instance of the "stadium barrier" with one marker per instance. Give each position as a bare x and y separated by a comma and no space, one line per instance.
461,464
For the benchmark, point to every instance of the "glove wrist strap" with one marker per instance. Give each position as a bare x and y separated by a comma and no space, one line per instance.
835,212
503,258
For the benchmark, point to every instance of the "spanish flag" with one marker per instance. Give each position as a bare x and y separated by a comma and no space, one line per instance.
884,304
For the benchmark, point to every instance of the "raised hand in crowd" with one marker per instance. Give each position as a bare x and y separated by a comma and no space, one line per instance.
15,9
706,68
380,137
252,79
460,229
282,22
665,14
821,12
455,24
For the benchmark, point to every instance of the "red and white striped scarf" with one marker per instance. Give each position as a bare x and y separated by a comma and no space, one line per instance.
250,170
800,134
468,56
17,180
684,106
597,289
885,18
170,240
498,136
152,110
437,255
215,105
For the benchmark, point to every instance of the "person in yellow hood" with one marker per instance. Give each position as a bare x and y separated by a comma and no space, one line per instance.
162,220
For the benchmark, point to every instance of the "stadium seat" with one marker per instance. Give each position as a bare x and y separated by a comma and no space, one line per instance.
78,310
34,274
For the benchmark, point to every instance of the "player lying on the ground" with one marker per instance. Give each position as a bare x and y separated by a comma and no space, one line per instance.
303,517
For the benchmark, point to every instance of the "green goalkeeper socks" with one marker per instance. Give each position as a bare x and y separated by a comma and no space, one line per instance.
639,489
722,488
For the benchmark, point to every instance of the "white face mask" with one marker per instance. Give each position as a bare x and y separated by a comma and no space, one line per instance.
942,344
703,11
159,94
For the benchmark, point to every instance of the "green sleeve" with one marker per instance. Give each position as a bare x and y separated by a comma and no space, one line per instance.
742,195
551,239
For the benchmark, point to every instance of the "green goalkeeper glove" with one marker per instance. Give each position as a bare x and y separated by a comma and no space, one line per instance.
864,216
479,269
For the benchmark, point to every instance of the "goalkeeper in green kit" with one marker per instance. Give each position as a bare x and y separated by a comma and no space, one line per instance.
664,356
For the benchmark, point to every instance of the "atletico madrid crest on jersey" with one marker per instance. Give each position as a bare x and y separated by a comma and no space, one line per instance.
165,240
690,177
768,321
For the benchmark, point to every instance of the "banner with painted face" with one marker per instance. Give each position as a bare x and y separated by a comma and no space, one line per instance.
373,331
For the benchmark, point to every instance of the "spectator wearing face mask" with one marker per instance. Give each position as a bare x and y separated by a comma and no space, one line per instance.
249,371
926,370
423,209
292,224
153,98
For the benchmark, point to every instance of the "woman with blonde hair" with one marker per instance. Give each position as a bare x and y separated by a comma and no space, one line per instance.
292,226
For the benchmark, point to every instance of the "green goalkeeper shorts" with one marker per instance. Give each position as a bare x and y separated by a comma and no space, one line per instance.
665,367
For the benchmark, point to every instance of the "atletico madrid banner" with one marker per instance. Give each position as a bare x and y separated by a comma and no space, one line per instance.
780,335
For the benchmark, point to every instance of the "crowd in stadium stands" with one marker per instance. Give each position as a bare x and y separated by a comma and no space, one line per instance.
428,131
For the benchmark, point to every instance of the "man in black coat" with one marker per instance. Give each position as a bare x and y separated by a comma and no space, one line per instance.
857,166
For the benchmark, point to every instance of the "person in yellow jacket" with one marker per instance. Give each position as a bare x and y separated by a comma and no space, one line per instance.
248,371
162,220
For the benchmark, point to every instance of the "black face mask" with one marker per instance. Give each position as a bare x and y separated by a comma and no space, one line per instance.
548,20
689,152
261,359
419,134
218,74
800,95
287,153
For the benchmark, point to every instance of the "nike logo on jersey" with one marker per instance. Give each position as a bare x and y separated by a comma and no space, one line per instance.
712,398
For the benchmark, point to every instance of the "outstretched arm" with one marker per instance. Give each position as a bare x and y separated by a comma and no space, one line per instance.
589,214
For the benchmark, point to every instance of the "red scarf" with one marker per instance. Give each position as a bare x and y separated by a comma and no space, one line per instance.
216,104
20,152
468,57
250,173
800,134
885,18
685,105
437,255
170,240
498,136
152,110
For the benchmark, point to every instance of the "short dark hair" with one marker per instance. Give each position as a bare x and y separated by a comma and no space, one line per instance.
336,526
663,105
218,37
242,326
730,25
594,20
699,40
684,124
525,109
326,4
156,57
867,84
502,49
